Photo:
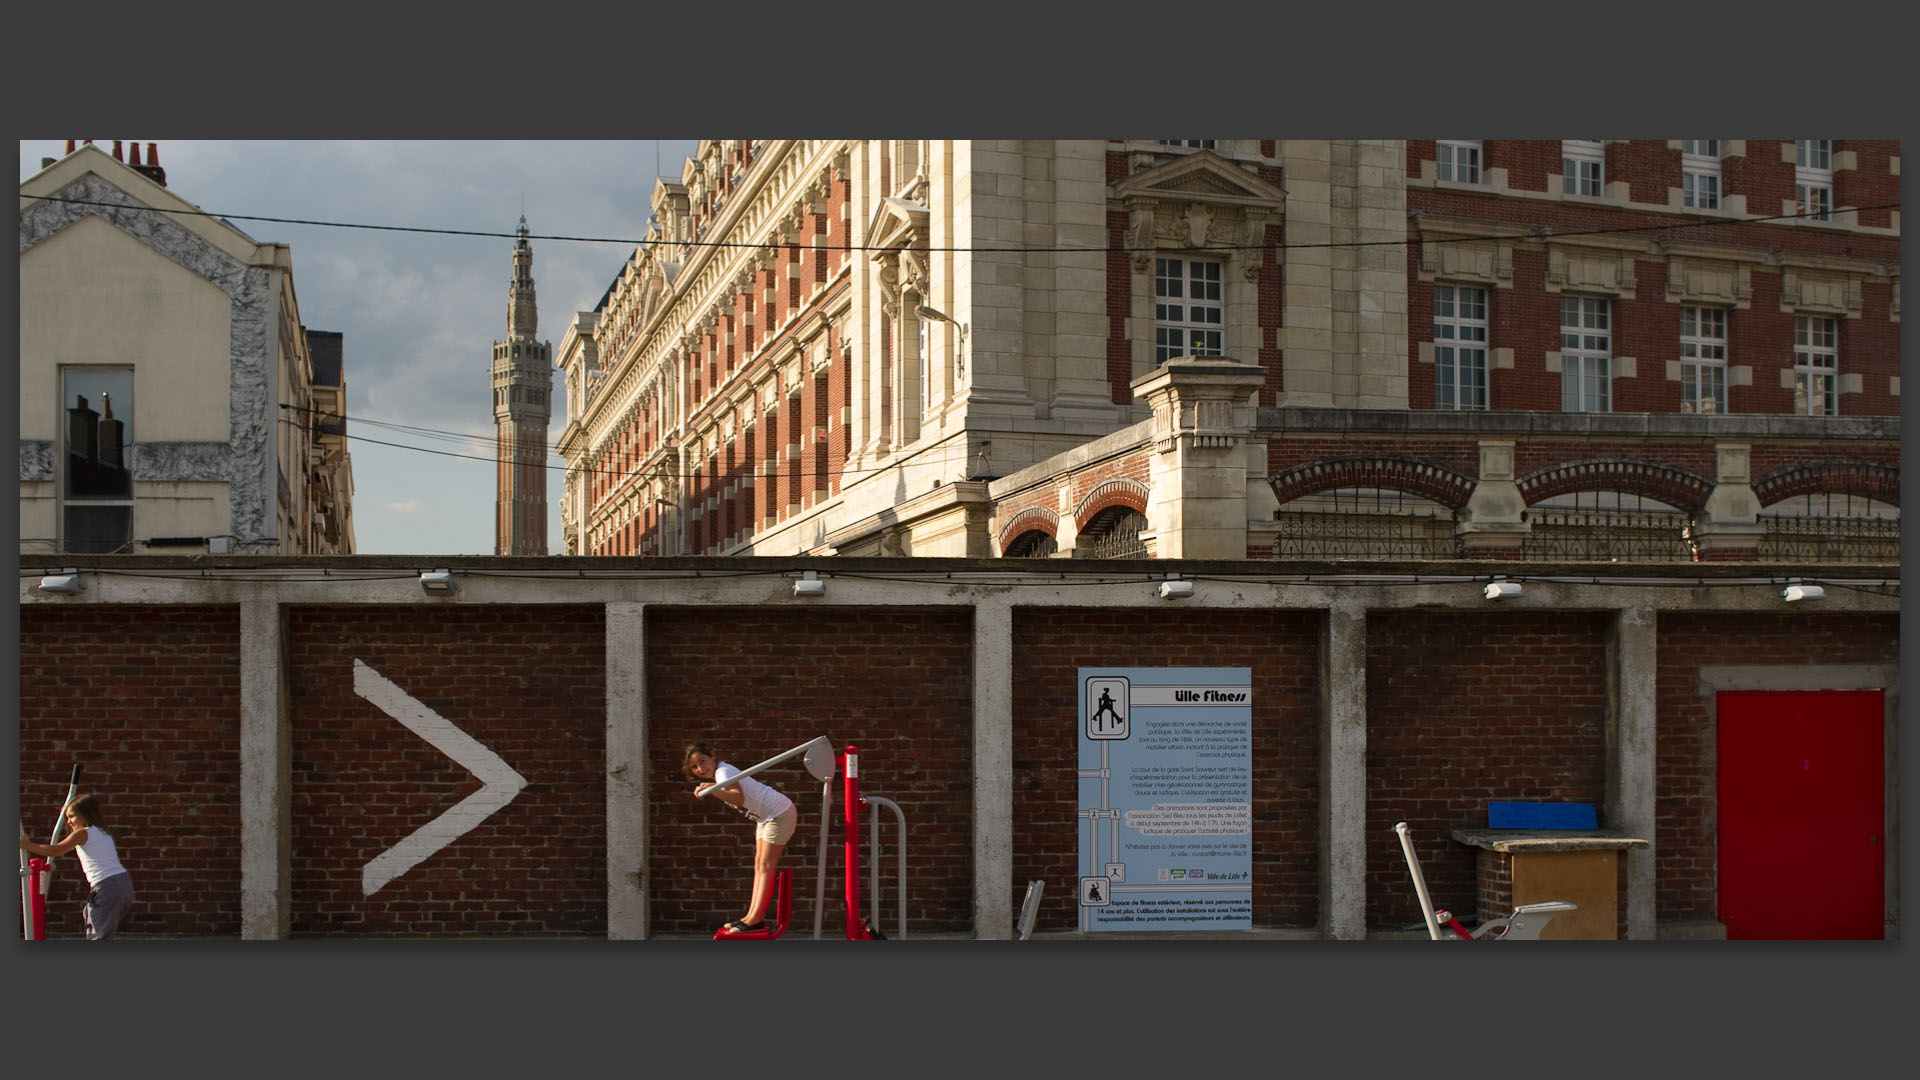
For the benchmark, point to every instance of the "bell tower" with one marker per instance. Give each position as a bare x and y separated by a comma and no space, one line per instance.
522,389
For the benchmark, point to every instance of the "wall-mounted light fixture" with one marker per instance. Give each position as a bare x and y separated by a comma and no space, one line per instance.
1175,589
1791,594
1501,590
437,580
925,312
809,584
62,583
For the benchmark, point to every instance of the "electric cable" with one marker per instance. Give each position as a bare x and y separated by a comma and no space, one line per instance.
1531,234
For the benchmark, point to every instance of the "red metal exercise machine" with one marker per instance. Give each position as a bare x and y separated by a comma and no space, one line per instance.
820,761
35,872
1524,924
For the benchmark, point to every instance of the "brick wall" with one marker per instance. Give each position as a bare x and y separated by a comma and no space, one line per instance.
528,683
1525,317
1872,183
1685,768
147,702
1282,649
1463,709
898,684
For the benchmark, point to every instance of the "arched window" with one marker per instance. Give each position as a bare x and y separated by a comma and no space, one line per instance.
1114,533
1032,544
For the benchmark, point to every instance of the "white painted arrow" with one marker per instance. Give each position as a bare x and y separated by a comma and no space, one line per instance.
499,783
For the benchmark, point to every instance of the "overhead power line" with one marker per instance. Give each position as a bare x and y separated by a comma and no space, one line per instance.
1528,234
549,450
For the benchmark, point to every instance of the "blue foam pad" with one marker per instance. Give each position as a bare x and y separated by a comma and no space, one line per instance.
1541,815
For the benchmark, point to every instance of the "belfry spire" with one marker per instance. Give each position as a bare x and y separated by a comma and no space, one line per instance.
522,387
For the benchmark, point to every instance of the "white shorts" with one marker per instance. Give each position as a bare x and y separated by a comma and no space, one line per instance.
779,828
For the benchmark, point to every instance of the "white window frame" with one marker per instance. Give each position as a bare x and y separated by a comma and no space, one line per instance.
1586,354
1816,365
1813,178
1458,160
1192,144
1182,324
1583,167
1700,173
1459,347
1703,360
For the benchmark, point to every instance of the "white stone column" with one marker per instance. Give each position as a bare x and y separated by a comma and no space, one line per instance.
992,769
993,205
627,878
1202,409
1343,775
1494,519
1079,301
1728,527
1631,737
1307,278
266,774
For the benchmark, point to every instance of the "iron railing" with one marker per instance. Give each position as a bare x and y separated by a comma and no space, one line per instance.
1599,535
1791,537
1334,535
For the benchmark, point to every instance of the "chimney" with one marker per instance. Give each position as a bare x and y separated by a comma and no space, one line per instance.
133,154
151,170
70,146
116,151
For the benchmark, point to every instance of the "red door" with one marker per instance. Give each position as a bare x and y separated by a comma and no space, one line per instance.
1802,814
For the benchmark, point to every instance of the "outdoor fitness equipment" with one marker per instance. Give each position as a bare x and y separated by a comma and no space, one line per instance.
36,872
1524,924
820,762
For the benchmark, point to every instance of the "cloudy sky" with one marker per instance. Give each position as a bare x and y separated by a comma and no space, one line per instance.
419,311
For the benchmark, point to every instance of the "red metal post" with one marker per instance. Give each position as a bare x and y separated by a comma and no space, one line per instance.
37,880
850,815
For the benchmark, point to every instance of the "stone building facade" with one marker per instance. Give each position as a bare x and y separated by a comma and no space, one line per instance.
1508,350
170,397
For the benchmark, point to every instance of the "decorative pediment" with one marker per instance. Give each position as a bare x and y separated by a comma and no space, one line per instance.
1592,270
1709,281
899,230
1197,200
897,223
1203,176
1821,292
1486,262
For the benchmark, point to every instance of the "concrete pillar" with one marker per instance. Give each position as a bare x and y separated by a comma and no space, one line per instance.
992,769
1630,742
1343,774
627,881
266,774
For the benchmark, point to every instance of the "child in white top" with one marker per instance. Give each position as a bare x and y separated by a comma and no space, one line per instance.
111,889
774,813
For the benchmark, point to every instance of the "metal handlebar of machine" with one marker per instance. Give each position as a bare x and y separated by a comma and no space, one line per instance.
873,841
1419,882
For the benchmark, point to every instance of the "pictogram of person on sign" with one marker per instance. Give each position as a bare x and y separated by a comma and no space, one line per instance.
1106,709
